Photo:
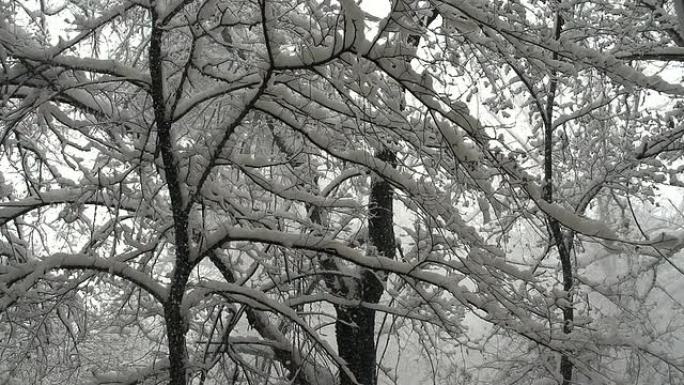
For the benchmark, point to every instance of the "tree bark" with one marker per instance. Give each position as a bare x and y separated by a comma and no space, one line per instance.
355,326
566,366
176,327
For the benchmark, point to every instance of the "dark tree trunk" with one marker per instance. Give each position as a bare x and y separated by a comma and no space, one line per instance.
176,327
566,365
355,330
355,326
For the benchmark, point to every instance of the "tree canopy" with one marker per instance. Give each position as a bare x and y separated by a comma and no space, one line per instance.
322,192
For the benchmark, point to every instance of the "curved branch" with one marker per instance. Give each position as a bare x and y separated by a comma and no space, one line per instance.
14,209
30,273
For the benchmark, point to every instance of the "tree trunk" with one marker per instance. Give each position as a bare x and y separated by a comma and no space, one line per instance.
566,365
176,326
355,330
355,326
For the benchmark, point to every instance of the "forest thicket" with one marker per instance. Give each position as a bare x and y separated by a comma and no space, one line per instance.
339,192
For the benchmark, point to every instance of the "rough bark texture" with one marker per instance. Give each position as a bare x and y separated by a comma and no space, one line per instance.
355,331
355,326
175,323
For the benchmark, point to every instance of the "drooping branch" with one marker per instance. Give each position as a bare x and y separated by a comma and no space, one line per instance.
20,278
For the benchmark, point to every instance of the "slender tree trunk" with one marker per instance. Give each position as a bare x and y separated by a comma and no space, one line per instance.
566,366
176,327
175,331
355,326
